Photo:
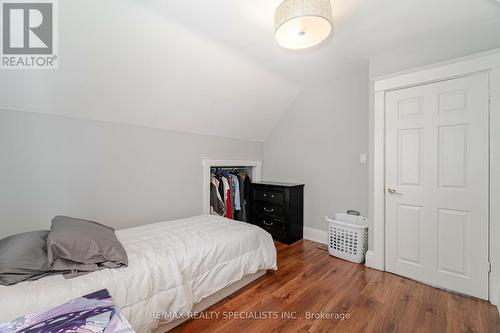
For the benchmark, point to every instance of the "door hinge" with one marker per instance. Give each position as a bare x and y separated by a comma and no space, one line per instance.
489,267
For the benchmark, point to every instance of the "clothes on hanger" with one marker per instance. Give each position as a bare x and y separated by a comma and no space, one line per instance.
227,197
229,191
217,184
247,181
236,190
216,203
241,215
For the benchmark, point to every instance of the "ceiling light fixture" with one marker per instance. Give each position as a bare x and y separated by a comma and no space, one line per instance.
299,24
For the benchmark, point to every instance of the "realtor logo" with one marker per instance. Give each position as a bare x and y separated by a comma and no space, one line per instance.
28,34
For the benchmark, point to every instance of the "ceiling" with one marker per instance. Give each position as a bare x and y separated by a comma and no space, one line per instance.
214,68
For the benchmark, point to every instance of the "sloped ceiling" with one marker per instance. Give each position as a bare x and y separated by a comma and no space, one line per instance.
212,67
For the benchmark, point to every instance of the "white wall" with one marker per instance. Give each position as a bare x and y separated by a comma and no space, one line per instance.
318,143
119,174
409,54
137,64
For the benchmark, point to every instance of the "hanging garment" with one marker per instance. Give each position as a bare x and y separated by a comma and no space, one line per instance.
227,196
225,187
242,214
229,206
232,203
216,183
231,192
247,181
216,205
221,188
235,184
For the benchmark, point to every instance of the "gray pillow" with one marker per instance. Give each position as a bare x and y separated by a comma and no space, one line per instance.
23,257
83,246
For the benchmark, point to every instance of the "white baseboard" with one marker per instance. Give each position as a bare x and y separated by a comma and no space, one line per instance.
370,259
498,304
316,235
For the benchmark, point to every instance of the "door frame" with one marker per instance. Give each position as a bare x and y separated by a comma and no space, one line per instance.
483,62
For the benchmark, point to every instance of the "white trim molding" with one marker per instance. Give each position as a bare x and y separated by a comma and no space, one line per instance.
495,185
497,303
208,163
377,184
316,235
370,259
488,62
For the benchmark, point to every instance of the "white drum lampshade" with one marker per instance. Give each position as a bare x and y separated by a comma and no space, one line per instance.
299,24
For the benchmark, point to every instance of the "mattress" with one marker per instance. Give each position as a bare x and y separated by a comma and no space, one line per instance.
172,266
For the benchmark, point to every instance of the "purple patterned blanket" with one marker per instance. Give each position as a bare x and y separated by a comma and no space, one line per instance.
92,313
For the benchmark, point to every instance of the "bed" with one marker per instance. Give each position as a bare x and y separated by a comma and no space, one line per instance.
174,267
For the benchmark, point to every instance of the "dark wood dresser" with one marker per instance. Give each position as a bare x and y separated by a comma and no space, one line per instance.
279,209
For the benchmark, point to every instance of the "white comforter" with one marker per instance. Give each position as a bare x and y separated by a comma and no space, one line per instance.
172,265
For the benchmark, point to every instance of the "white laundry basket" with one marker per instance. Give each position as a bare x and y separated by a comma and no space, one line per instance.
347,236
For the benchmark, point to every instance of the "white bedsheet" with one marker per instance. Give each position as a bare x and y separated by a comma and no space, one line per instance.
172,265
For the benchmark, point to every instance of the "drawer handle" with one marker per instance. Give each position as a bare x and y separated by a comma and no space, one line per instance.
267,223
269,210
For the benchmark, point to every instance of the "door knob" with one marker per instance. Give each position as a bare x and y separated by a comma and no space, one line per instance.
392,190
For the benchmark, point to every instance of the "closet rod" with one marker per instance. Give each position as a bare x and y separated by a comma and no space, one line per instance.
230,167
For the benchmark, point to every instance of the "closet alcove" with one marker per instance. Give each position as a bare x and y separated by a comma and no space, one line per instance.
254,169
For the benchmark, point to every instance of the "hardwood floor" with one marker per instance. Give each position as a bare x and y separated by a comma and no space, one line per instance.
308,279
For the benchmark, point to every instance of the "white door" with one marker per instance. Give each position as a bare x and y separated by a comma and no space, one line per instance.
437,184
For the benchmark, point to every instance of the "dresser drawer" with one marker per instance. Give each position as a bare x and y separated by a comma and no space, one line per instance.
263,208
275,197
273,226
